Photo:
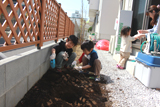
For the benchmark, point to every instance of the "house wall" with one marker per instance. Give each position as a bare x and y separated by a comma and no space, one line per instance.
93,8
97,25
94,4
108,11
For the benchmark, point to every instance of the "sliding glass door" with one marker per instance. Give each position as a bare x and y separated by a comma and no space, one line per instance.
139,20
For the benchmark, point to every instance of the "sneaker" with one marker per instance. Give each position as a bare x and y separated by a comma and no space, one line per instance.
121,67
97,78
92,78
117,66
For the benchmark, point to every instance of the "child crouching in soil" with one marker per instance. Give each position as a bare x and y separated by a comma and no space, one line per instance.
63,53
89,59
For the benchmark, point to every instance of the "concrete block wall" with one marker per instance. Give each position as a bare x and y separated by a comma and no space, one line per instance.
20,72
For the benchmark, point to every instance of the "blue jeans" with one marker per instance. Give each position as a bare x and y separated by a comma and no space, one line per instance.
60,62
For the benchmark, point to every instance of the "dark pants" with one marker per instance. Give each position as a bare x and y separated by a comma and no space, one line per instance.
60,62
96,68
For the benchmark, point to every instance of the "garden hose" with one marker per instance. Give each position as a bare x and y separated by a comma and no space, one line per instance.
142,46
153,36
157,38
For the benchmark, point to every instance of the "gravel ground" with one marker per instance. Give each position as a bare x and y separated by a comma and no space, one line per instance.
126,91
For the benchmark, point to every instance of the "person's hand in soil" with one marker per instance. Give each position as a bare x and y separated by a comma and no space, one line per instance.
79,68
74,63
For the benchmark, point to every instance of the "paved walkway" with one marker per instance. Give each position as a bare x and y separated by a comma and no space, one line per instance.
126,91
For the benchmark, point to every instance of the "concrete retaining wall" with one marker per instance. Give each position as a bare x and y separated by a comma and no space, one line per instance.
20,72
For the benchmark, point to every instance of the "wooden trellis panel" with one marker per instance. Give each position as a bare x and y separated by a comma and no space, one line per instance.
51,20
62,24
67,27
25,30
32,22
70,27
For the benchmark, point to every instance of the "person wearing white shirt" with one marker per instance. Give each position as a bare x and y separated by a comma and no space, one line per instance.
153,13
126,45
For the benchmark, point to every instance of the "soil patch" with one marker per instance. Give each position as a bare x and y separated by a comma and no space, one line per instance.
67,89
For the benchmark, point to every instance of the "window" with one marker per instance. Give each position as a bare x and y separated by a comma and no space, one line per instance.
138,16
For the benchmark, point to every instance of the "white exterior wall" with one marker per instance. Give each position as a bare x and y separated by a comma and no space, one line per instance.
93,8
97,27
108,13
94,4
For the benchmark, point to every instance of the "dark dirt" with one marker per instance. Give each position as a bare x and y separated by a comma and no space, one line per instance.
66,89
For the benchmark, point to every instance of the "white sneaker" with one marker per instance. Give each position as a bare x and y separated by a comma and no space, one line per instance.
97,78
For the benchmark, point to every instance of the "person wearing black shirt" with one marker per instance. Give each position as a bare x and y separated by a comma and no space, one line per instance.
64,52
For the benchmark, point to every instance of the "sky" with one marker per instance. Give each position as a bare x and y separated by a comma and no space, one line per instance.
70,6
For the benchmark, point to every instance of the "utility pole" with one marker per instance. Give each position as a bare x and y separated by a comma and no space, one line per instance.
81,37
84,22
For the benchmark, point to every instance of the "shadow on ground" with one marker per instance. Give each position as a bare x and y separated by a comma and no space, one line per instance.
67,89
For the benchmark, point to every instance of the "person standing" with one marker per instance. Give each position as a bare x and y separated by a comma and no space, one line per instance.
126,45
153,13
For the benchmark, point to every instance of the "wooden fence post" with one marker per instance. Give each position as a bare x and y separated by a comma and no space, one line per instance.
43,3
58,23
65,24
